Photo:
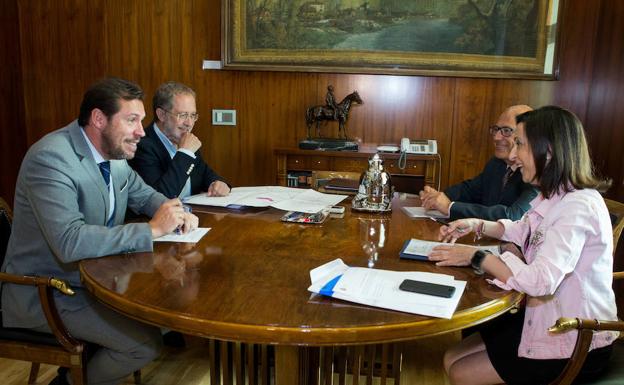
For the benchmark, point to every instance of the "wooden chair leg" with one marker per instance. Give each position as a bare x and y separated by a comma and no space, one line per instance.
34,372
78,375
137,377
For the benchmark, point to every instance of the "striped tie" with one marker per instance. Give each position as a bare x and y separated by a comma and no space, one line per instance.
105,170
506,177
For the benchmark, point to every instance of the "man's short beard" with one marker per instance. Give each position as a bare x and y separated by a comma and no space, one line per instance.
113,151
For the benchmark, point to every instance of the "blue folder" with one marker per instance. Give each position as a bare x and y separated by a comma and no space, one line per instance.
405,255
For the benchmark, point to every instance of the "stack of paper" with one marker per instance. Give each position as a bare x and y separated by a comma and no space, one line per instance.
342,184
380,288
283,198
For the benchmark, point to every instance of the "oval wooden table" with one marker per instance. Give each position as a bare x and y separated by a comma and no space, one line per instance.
247,281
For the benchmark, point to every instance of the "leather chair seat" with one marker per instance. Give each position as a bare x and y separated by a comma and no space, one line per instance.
25,335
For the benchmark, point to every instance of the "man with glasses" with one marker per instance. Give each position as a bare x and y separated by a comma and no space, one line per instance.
498,192
168,157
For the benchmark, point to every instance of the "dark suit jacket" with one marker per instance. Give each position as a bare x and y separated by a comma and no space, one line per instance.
167,175
483,196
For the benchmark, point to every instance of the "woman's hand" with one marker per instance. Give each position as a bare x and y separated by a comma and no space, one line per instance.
458,229
452,255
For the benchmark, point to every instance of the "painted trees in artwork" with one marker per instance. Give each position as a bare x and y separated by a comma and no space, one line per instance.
498,27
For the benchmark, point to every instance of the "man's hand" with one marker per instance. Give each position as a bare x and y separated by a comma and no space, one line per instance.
169,216
190,142
432,199
218,189
190,223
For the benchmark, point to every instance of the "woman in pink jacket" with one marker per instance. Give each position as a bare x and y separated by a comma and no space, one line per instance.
564,266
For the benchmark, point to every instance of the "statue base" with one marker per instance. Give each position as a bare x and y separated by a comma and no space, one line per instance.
329,144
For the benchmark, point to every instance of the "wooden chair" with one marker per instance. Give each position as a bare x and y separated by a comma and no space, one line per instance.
615,371
58,348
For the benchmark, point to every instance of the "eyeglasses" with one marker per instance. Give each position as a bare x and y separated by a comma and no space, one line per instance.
182,116
505,131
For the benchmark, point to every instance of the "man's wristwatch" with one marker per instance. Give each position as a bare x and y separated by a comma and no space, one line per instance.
477,260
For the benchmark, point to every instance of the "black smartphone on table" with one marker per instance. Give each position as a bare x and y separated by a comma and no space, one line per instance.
427,288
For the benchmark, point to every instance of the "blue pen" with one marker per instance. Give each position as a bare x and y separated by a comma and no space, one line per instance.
187,209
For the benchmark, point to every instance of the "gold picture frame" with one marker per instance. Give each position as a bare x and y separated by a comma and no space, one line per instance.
471,38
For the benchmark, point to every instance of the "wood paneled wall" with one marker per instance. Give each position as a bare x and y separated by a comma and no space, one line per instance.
58,47
12,120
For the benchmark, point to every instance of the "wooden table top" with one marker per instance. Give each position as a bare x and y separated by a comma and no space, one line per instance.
247,280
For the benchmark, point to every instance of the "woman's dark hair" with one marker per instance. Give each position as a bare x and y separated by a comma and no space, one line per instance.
105,95
560,151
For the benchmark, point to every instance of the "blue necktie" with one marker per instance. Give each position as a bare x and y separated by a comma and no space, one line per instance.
105,170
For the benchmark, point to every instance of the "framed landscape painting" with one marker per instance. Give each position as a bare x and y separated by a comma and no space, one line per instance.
474,38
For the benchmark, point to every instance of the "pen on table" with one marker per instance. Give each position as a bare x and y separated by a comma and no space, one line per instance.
445,223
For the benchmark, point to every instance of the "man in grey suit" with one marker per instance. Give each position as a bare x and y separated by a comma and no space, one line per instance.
72,192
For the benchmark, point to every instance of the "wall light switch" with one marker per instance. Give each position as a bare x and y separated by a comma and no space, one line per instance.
224,117
211,65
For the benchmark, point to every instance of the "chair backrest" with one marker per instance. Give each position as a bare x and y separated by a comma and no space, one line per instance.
6,219
616,211
406,183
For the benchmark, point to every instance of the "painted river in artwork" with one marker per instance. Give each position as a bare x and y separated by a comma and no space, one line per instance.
433,35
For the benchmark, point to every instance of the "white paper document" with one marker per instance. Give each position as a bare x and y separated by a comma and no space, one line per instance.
283,198
190,237
421,212
380,288
416,248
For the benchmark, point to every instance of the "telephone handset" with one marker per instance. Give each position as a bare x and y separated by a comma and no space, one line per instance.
419,146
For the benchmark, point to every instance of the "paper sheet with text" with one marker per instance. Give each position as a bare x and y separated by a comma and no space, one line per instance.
190,237
380,288
283,198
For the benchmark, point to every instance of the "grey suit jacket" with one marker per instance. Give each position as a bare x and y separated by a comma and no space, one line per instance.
61,204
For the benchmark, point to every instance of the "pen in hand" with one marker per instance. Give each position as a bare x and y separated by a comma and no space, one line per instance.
187,209
446,223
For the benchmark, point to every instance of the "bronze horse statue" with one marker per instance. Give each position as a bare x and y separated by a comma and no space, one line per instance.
320,113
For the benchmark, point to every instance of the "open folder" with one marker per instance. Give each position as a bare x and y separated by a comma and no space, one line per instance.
419,250
380,288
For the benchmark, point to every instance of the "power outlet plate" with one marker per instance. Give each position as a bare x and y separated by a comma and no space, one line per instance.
224,117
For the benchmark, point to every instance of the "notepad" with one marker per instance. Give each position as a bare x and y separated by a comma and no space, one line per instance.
190,237
418,249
